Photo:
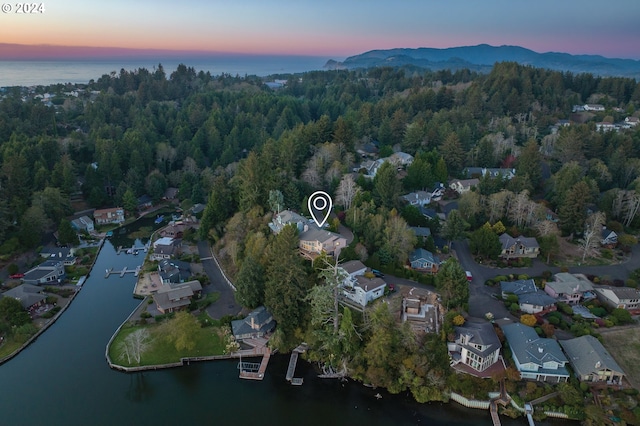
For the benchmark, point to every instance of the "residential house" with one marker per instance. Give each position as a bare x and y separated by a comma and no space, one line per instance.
354,268
144,202
478,172
400,159
519,247
538,302
536,358
48,272
421,232
28,295
463,185
570,288
287,217
173,271
633,121
609,238
363,290
258,323
531,299
170,193
314,241
620,297
176,296
593,107
591,362
197,209
418,198
162,251
64,254
605,126
113,215
422,310
437,191
476,345
164,241
83,223
424,261
174,230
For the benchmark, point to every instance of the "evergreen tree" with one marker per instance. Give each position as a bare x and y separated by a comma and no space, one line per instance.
387,185
66,234
451,282
250,283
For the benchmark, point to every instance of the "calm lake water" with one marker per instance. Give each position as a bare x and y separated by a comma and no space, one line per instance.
63,379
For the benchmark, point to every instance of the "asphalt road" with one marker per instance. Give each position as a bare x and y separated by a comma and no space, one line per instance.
226,305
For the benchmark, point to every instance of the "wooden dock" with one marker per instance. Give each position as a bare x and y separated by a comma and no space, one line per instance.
135,272
132,249
251,373
293,361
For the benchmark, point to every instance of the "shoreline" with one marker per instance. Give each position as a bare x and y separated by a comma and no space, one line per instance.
56,316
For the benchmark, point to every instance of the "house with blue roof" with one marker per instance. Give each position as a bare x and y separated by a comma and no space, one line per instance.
424,261
536,358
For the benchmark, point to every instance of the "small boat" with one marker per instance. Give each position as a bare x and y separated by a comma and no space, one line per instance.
109,234
135,252
159,219
129,251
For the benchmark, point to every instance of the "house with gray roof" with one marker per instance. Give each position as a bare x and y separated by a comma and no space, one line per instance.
570,288
258,323
418,198
28,295
536,358
357,287
314,241
83,223
173,271
421,231
424,261
354,268
176,296
591,361
531,299
518,247
48,272
476,345
287,217
64,254
620,297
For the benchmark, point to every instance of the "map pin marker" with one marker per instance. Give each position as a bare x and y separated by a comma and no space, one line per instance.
320,204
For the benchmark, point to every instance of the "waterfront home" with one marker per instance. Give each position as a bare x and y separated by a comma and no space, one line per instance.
173,271
570,288
591,362
536,358
258,323
476,344
422,310
114,215
314,241
64,254
162,251
28,295
48,272
518,247
620,297
173,297
144,202
83,223
424,261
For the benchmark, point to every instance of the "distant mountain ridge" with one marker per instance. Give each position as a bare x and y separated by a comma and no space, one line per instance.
481,58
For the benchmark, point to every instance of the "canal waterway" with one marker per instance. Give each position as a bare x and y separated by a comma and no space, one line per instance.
63,378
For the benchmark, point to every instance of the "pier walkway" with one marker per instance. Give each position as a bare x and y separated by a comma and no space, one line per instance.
293,361
135,272
253,371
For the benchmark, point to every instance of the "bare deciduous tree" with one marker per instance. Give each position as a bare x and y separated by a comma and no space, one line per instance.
591,237
134,345
346,191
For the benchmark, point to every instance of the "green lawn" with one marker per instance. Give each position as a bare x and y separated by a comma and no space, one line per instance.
161,351
8,347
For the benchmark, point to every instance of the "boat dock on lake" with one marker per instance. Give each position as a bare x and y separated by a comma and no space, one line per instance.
293,361
135,272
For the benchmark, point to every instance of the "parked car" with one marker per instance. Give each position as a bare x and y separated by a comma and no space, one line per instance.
377,273
469,276
391,287
16,276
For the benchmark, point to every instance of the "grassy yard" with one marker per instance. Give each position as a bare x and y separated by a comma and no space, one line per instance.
624,346
9,346
161,351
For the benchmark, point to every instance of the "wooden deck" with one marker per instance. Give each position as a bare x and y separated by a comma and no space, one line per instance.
259,347
293,361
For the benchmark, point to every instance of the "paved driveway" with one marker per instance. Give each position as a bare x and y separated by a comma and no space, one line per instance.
226,305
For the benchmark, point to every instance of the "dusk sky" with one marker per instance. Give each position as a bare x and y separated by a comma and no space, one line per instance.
333,28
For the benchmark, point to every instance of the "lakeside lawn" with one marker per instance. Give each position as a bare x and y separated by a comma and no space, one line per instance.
624,346
208,341
9,346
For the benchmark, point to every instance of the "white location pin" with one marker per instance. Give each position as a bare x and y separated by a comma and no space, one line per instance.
320,205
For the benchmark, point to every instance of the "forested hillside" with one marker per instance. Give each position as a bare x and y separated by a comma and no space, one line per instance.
246,151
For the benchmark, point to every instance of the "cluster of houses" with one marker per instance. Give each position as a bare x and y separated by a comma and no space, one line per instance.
629,122
476,348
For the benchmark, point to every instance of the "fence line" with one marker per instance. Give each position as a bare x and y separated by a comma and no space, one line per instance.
469,403
215,259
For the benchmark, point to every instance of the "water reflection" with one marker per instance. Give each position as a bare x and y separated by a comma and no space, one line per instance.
140,389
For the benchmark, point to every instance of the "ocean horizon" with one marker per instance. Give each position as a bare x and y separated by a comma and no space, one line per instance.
81,71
